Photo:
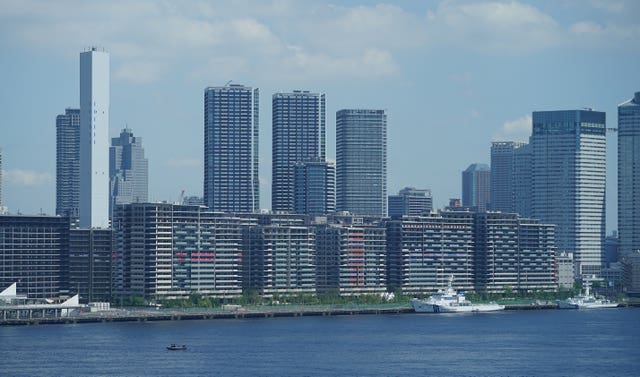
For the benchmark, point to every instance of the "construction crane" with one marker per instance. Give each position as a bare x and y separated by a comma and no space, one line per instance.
182,197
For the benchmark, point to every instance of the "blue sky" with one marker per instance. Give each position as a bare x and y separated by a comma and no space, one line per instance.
453,76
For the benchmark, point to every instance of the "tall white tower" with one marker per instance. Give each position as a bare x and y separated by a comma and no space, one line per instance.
94,139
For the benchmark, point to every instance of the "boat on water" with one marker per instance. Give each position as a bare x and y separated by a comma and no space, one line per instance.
450,301
175,347
587,300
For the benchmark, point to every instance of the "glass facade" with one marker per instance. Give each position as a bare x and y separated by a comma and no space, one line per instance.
231,122
629,175
503,175
314,188
361,167
128,170
476,187
298,137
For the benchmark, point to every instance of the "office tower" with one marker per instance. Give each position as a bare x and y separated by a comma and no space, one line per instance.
314,188
410,201
298,137
90,252
568,181
629,175
1,181
361,171
34,252
503,175
522,180
128,170
68,163
476,187
231,148
94,139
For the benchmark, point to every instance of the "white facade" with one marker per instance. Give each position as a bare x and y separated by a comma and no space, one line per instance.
94,139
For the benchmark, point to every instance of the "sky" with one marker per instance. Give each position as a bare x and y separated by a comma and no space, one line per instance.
453,76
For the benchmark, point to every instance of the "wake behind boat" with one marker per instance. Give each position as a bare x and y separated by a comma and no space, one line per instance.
586,301
450,301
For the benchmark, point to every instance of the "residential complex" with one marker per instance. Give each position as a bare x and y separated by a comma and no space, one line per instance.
231,120
503,175
361,166
314,188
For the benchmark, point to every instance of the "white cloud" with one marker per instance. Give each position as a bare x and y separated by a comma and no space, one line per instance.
26,178
504,27
515,130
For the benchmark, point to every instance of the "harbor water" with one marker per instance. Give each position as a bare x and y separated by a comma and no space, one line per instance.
604,342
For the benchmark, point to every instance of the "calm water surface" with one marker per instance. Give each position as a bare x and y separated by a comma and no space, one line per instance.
603,342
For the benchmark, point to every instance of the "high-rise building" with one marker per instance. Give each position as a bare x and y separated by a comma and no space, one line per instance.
568,181
0,181
94,139
90,252
231,120
128,170
522,180
503,175
298,137
361,168
629,175
411,201
34,252
68,163
476,187
314,188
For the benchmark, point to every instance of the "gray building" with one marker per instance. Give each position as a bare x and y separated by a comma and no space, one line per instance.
566,270
128,170
169,250
410,201
314,188
68,163
361,166
298,137
503,175
568,181
90,263
522,180
476,187
34,253
629,174
351,258
231,120
424,251
1,208
514,253
279,259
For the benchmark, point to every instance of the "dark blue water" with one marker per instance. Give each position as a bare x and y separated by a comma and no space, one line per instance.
602,342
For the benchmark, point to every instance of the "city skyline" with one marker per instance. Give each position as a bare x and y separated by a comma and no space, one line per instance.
30,179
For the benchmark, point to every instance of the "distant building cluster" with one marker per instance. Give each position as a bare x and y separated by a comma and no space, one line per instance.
534,220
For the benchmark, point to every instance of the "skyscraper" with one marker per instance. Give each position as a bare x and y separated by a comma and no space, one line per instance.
476,186
503,175
314,188
94,139
568,181
68,163
231,148
298,136
128,170
361,171
629,175
0,180
522,180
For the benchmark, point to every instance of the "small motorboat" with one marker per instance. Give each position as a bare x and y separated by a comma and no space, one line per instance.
175,347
